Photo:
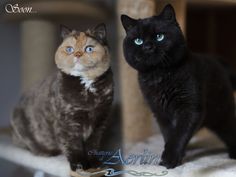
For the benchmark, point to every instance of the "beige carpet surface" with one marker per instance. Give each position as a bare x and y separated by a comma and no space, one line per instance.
206,157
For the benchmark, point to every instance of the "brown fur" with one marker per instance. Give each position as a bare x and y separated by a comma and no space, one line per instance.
68,112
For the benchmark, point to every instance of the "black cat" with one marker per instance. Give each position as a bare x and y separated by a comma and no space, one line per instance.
184,90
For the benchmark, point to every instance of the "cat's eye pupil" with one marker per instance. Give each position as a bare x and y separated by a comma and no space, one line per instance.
160,37
138,41
89,49
69,50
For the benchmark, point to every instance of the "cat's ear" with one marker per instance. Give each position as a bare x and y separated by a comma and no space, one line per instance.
100,32
128,22
168,13
65,31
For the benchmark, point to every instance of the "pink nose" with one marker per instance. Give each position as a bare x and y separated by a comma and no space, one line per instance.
78,54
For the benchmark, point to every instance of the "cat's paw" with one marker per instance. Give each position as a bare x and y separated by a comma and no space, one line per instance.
94,163
77,166
171,159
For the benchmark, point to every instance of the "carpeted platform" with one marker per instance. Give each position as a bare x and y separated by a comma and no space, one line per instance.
57,166
206,157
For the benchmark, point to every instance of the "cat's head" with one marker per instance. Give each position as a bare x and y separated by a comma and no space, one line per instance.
152,42
83,54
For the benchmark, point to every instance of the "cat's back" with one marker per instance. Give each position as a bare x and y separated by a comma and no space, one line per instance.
39,92
35,104
206,67
213,80
32,116
216,88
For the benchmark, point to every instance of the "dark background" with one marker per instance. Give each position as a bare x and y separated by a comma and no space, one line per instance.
212,30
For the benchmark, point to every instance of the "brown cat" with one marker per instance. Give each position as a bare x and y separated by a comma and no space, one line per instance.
68,112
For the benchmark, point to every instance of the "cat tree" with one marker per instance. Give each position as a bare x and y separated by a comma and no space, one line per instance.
136,116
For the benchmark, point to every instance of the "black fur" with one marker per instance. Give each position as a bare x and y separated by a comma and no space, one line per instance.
184,90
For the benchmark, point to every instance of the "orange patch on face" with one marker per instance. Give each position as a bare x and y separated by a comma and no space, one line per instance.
81,40
88,64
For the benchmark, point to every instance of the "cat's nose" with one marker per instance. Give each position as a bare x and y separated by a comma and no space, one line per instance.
78,54
148,47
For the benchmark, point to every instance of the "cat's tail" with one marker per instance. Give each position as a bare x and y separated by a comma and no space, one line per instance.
5,130
230,71
232,77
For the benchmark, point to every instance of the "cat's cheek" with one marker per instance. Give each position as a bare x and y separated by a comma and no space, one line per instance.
67,64
59,63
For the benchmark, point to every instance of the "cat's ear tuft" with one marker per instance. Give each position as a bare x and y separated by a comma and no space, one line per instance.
100,31
65,31
128,22
168,13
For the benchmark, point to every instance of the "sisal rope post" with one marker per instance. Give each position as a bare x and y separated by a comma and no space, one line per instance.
136,116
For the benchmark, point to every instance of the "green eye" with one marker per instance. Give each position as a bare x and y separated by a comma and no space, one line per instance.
69,50
160,37
138,41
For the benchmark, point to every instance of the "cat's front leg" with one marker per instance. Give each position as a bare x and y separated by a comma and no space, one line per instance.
73,148
76,158
179,135
94,143
71,142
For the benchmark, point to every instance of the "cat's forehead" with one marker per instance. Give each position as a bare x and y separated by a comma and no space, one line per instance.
147,27
152,23
75,37
79,39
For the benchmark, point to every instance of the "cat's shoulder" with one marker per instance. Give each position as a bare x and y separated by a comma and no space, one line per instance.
204,60
202,65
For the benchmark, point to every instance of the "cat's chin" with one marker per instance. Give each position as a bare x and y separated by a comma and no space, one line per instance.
90,73
75,73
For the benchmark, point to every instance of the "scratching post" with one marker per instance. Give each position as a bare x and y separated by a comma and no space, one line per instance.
136,116
38,40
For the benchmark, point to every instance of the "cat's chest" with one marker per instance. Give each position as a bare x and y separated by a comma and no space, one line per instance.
85,99
154,84
162,90
80,92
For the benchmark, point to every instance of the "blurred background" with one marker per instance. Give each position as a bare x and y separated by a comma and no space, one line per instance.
28,42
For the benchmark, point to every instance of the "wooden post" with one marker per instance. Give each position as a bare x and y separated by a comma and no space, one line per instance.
180,10
136,116
38,40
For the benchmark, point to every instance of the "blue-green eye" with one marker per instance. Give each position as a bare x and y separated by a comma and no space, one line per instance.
89,49
160,37
138,41
69,50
